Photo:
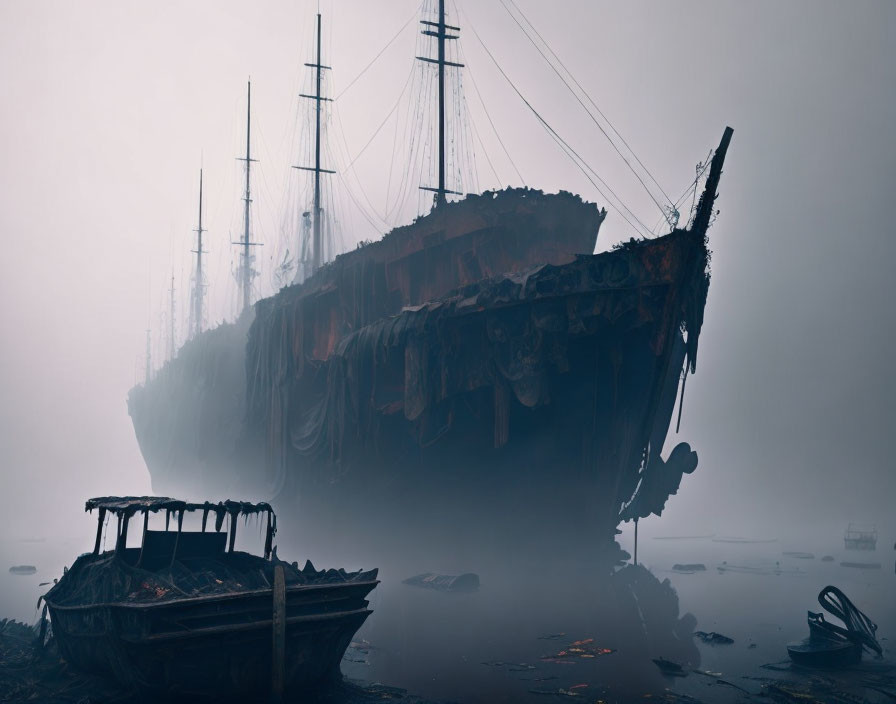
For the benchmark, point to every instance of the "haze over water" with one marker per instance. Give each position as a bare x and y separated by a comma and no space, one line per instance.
110,107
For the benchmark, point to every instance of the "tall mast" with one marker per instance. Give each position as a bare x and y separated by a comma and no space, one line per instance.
172,341
198,286
246,272
441,35
441,39
317,254
148,355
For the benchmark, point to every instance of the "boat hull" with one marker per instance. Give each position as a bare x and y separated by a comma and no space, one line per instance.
217,647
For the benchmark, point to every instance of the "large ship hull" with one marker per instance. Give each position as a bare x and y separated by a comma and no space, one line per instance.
490,416
480,373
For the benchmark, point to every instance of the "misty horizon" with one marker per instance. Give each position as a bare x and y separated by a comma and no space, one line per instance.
111,111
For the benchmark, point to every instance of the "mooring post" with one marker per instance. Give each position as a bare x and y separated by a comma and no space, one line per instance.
278,646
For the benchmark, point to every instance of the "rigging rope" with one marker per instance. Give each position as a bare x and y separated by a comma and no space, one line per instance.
373,60
352,170
385,120
491,122
583,166
590,100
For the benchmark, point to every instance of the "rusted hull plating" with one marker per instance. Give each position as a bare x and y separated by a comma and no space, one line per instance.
472,369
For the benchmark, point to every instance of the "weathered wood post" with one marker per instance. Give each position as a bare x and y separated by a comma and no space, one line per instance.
143,539
99,531
278,646
121,541
233,516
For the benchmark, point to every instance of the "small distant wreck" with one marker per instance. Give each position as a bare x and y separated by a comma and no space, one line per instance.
860,537
23,569
185,614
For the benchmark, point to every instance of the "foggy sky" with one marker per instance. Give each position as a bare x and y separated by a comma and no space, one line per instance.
108,108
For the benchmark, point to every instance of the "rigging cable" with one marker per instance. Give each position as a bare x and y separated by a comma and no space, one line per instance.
469,71
373,60
590,100
385,120
690,189
494,129
344,143
578,160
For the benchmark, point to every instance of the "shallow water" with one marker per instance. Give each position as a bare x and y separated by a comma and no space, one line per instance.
434,644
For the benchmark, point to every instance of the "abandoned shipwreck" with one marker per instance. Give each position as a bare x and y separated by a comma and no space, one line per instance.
478,373
466,373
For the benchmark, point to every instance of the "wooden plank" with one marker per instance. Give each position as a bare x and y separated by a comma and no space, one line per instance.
309,619
224,596
278,646
99,532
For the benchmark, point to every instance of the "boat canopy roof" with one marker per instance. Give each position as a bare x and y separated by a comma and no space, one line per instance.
126,506
129,505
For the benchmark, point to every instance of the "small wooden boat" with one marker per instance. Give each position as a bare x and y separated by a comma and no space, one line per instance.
187,615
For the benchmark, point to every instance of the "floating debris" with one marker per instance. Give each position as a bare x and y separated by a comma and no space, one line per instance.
585,649
717,676
577,690
669,668
713,638
22,569
744,540
689,568
827,558
862,565
467,582
799,555
775,569
552,636
684,537
509,666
